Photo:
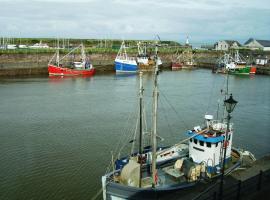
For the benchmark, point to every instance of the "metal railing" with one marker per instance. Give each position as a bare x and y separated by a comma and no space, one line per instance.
238,190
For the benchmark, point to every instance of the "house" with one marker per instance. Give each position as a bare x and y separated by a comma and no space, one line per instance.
262,60
258,44
225,45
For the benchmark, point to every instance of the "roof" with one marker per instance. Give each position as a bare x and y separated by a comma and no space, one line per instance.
265,43
230,42
200,137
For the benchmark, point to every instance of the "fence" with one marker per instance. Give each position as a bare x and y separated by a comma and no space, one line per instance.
238,190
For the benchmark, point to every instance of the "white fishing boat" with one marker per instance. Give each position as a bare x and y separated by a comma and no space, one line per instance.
146,174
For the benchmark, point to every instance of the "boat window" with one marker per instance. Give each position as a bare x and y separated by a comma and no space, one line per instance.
216,144
208,144
201,143
190,139
195,141
229,137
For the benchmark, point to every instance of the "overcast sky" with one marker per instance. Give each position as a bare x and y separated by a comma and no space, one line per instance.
204,21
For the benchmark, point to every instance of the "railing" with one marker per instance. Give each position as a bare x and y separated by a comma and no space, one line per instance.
238,190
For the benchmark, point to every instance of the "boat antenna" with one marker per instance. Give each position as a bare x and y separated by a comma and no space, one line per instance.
154,133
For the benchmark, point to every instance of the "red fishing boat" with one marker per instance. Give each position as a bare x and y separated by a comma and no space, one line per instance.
177,63
82,67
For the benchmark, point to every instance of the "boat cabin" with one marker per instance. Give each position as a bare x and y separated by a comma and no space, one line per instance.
207,145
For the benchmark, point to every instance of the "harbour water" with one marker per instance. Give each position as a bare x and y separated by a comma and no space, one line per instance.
57,134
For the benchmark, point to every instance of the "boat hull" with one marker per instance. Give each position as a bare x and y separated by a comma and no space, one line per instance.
125,67
176,66
113,190
243,70
63,71
117,191
185,66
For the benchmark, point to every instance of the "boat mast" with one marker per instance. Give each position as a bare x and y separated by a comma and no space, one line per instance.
57,53
83,53
140,136
154,133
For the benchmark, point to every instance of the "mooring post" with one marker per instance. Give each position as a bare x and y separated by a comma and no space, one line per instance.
260,180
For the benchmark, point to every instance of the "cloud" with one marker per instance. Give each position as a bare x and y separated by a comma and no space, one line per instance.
202,20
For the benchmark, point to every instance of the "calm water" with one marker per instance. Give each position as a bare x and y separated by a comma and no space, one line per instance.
56,135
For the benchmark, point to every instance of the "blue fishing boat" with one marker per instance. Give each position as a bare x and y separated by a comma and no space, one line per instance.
124,63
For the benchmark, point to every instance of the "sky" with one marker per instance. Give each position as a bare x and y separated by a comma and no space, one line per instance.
204,21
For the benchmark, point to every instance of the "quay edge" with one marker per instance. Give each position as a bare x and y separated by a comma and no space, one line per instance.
36,63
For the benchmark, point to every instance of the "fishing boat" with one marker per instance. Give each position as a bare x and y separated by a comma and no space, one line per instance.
76,68
240,66
223,63
234,64
144,61
188,59
176,61
144,174
184,60
124,63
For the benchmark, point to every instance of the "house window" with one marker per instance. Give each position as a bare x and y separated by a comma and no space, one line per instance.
201,143
229,137
195,141
208,144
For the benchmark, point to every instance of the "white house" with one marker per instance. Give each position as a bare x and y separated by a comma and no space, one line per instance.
262,60
225,45
258,44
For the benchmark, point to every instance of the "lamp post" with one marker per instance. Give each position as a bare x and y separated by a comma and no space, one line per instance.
230,104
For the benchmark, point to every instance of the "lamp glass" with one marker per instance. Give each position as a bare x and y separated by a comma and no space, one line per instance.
230,104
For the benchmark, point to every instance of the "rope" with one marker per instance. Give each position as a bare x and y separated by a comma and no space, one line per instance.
164,114
174,110
179,143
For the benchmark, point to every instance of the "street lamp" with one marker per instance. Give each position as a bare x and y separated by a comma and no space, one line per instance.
230,104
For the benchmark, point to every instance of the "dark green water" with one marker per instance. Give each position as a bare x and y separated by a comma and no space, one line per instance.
56,135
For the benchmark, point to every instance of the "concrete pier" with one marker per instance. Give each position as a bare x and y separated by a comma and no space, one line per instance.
251,183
